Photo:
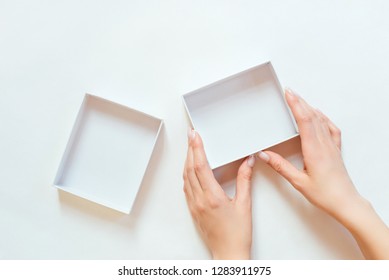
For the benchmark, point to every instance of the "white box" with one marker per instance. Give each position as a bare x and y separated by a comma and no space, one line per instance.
240,115
108,152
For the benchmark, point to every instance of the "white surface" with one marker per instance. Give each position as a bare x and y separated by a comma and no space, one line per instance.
240,115
108,153
149,53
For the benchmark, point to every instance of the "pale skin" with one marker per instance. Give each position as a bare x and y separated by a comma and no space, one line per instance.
225,224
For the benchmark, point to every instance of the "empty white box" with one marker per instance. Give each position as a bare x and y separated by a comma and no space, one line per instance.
240,115
107,153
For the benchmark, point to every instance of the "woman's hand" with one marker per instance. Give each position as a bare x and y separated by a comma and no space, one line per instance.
325,181
224,224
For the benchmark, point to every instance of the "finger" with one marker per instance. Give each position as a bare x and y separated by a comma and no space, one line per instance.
302,113
313,131
334,130
187,188
319,122
243,180
201,166
188,194
190,174
283,167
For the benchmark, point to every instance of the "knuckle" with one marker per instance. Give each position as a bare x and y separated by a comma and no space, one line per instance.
200,166
306,118
246,175
298,187
278,166
200,208
188,170
321,118
213,203
185,175
197,144
297,183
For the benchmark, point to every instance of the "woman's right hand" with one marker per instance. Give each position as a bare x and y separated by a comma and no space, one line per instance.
324,181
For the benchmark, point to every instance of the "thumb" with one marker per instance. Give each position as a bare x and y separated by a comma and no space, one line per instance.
243,180
282,166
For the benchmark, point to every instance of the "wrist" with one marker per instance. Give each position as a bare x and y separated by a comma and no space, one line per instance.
354,213
232,255
368,229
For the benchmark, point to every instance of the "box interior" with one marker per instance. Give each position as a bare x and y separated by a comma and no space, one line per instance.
240,115
108,153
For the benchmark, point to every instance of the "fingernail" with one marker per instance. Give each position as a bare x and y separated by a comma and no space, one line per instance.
291,92
263,156
251,161
191,134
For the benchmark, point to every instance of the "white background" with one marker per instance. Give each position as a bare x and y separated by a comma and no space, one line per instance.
147,54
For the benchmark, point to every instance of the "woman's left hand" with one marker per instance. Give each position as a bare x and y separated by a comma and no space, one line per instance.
224,224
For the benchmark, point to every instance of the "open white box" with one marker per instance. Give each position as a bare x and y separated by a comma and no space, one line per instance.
108,152
240,115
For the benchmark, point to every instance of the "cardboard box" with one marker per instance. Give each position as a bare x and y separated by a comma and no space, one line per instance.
240,115
108,152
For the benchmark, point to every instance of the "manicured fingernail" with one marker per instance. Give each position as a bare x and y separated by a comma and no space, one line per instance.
291,92
191,134
251,161
263,156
